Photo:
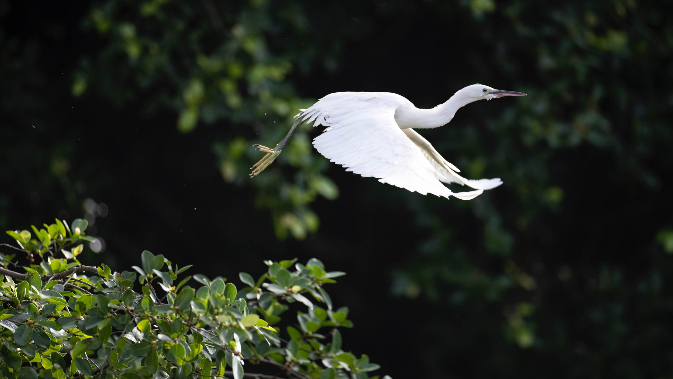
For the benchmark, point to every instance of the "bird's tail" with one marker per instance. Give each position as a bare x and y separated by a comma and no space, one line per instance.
467,195
483,184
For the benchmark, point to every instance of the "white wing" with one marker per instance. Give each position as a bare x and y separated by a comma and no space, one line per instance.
362,136
445,171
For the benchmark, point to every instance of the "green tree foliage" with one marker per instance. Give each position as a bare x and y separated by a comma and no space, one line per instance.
234,70
561,272
65,320
235,61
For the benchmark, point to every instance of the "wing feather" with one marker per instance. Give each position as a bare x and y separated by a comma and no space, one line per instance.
364,138
445,171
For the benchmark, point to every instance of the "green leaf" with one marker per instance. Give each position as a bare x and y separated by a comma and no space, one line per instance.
41,338
287,264
165,277
293,348
27,373
326,298
230,292
217,286
347,358
301,298
319,313
22,334
202,279
79,224
188,119
183,282
152,361
328,374
45,238
46,363
102,304
284,278
177,326
294,333
180,271
61,227
275,288
312,326
139,349
22,290
83,366
194,351
273,269
184,298
158,262
77,250
221,362
104,270
176,354
313,262
56,265
53,230
80,347
318,271
147,260
84,303
97,322
34,280
10,358
25,235
326,187
147,304
16,236
334,274
143,325
247,279
302,282
104,333
67,322
336,342
250,320
128,297
367,367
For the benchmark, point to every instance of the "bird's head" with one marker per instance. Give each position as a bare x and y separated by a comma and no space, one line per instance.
481,92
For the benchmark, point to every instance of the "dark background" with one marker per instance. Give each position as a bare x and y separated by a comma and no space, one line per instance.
150,108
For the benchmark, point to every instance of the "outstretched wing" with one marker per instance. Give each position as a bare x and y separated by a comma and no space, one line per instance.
445,171
362,136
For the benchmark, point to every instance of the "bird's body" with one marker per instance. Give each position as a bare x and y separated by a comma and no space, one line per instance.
371,134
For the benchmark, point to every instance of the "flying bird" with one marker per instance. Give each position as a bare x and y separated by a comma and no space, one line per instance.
372,134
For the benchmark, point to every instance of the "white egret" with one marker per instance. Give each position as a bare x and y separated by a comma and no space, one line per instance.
372,134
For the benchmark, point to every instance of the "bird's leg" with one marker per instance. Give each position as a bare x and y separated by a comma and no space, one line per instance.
272,154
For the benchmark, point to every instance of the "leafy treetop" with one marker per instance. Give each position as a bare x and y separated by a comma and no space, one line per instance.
62,319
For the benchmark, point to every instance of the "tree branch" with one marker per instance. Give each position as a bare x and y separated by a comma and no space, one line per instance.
17,275
12,247
78,288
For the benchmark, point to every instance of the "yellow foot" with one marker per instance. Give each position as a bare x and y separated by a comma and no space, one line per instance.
263,149
270,156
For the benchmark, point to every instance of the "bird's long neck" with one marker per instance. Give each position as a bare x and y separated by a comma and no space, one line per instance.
412,117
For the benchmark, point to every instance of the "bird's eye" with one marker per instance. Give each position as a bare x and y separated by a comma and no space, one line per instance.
485,90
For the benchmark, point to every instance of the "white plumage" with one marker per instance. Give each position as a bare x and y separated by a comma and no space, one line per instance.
370,134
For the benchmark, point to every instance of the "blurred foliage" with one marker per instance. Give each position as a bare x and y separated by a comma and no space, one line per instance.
232,69
561,272
66,320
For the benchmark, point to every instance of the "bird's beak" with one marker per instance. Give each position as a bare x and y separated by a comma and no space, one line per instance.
501,93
